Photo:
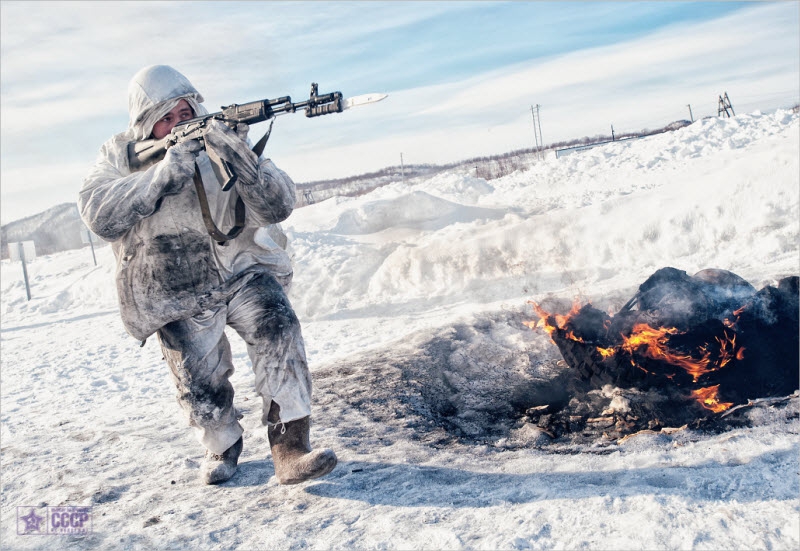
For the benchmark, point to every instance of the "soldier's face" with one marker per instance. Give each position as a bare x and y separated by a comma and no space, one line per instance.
181,112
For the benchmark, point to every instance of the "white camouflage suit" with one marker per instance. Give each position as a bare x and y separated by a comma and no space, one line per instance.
173,279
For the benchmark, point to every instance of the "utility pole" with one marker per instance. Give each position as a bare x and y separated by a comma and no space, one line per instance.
88,237
17,251
541,140
21,250
612,133
689,105
537,131
723,106
728,102
91,244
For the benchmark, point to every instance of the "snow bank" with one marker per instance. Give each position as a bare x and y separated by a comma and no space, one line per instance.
602,219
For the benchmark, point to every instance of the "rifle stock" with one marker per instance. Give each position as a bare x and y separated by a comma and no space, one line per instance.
144,154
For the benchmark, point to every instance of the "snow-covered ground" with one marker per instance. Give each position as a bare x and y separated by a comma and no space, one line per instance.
412,297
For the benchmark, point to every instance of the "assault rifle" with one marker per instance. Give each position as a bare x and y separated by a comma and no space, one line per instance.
143,154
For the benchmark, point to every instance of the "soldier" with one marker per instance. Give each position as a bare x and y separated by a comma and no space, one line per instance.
174,280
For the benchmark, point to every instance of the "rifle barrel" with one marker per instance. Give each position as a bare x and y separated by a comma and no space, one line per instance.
265,109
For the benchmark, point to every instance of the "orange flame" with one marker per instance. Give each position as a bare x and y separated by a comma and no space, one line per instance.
655,346
607,352
727,348
708,399
560,320
573,337
652,343
736,313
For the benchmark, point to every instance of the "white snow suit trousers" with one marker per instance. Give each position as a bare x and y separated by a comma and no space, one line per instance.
199,356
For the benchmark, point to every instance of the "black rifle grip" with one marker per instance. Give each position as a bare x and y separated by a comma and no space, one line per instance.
223,170
230,175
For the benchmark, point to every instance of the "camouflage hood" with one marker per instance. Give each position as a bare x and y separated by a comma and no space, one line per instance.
153,92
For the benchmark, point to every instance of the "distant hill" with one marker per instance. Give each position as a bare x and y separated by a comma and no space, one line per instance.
488,168
57,229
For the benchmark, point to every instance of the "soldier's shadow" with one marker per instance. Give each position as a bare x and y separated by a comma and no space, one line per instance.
403,484
254,472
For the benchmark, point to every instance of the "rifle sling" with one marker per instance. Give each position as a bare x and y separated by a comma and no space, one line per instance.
212,228
258,149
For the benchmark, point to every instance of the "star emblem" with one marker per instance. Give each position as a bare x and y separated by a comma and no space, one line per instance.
32,522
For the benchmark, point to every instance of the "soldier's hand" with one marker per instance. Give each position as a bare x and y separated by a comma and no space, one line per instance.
232,148
177,167
242,129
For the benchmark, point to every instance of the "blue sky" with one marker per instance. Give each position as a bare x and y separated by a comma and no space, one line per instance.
461,75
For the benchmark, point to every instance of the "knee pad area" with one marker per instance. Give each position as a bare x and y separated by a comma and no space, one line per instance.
277,325
270,317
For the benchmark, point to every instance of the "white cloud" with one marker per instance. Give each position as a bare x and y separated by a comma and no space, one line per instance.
61,60
711,52
69,61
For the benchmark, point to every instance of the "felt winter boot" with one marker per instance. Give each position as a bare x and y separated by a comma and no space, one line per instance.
219,468
292,455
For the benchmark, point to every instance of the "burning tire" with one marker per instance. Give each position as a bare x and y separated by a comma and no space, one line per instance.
711,335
